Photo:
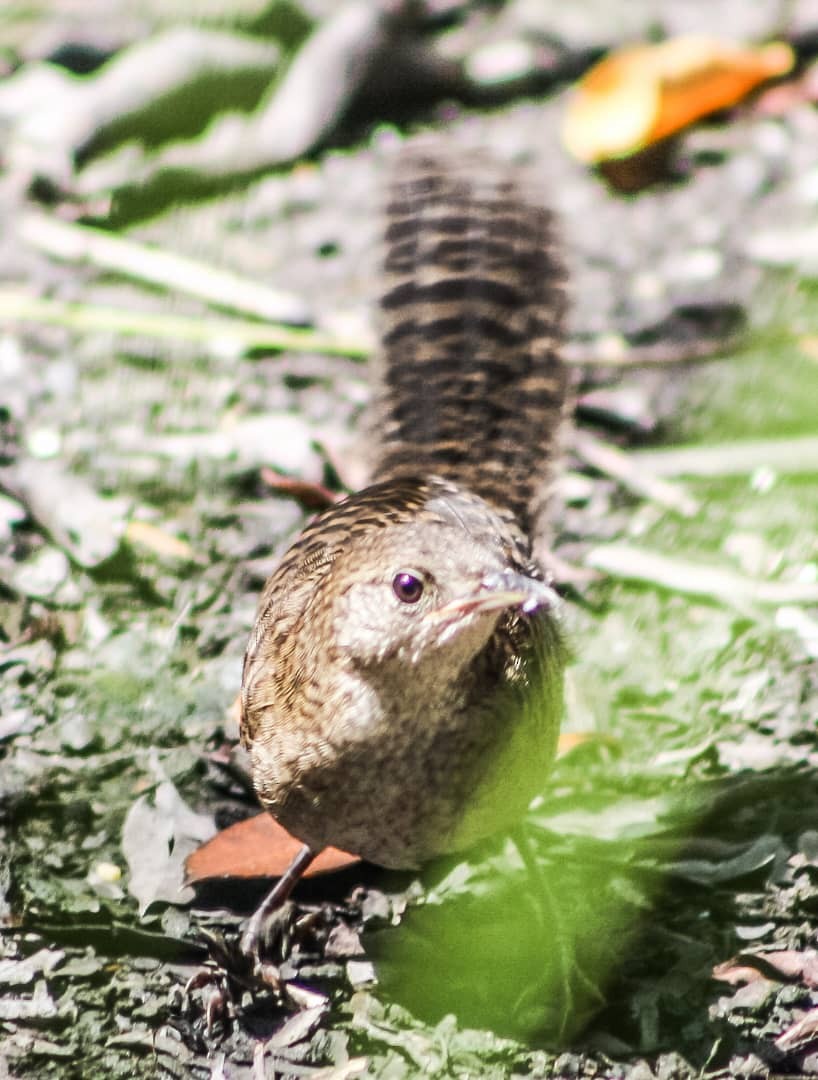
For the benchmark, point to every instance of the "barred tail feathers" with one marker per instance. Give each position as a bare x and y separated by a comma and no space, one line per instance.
471,385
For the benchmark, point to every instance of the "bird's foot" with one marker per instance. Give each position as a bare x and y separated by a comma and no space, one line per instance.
266,932
268,915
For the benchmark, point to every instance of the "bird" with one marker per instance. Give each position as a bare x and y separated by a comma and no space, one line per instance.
402,687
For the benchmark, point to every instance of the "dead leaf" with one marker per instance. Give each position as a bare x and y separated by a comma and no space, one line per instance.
27,970
643,93
297,1028
39,1006
87,526
796,965
749,998
156,838
41,574
735,973
343,942
785,965
254,848
804,1030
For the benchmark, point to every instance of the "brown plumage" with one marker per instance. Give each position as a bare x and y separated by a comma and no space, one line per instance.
402,685
472,312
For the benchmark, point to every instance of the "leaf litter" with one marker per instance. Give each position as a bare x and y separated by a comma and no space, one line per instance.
680,834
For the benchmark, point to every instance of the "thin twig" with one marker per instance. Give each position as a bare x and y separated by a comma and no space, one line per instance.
798,455
694,579
615,351
632,474
17,306
178,273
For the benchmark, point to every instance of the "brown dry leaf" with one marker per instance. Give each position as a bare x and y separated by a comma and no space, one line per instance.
312,496
641,94
255,848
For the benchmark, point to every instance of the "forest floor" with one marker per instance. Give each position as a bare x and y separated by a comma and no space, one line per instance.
679,834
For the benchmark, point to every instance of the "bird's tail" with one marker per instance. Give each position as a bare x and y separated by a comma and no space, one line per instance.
471,386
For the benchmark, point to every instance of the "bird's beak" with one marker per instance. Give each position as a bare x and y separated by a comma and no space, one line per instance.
506,589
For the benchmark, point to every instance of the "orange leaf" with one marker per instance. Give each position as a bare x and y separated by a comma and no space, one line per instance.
570,740
254,848
643,93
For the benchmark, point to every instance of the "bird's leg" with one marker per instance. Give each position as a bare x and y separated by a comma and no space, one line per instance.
273,900
216,979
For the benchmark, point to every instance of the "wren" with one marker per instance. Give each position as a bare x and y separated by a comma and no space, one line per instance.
402,686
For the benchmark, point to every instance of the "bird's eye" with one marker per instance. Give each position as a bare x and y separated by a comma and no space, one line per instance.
407,586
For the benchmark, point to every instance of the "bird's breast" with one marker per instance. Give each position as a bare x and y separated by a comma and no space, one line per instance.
400,778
